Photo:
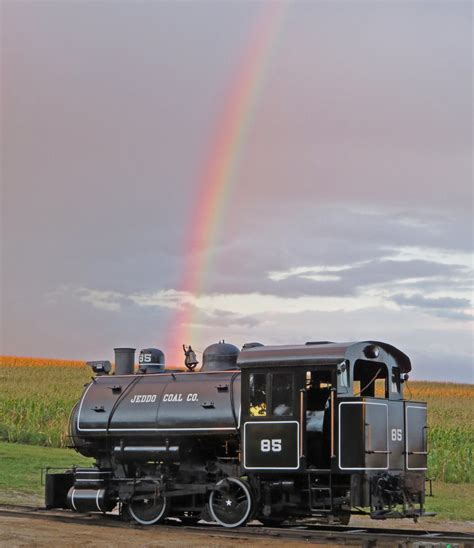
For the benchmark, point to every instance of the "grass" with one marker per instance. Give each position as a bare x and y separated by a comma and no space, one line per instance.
453,503
20,470
37,396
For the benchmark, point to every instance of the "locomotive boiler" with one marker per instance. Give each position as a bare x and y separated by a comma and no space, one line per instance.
269,432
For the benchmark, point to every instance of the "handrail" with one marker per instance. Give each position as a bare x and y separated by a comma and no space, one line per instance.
332,424
302,393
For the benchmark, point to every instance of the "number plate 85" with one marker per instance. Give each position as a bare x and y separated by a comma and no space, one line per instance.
267,446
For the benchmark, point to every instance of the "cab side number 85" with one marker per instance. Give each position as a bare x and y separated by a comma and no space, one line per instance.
270,445
397,434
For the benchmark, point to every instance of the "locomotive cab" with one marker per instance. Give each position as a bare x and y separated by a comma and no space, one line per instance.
334,416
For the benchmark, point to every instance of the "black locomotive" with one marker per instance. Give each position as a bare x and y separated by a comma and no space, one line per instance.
268,432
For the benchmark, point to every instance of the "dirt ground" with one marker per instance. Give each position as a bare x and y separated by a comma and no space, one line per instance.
424,524
22,531
16,532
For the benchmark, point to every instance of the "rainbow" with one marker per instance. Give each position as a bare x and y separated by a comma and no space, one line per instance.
220,169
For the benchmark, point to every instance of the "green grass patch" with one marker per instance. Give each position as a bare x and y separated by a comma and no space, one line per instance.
20,470
453,502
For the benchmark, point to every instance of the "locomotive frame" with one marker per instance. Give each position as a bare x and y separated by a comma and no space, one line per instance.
270,432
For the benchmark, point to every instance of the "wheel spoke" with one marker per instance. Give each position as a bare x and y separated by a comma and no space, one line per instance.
241,507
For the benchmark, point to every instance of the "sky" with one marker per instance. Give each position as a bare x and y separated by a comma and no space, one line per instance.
347,214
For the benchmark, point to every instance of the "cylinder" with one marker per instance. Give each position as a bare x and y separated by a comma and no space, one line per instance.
89,500
124,361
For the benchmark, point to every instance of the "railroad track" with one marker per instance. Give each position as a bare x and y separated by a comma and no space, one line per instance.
309,533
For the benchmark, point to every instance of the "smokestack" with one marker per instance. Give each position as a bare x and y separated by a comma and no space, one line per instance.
124,361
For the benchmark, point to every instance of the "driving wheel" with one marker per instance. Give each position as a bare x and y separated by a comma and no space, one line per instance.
230,504
148,510
343,517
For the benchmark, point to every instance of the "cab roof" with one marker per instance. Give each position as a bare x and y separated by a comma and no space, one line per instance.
324,353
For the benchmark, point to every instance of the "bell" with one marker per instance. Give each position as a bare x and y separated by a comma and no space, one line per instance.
190,360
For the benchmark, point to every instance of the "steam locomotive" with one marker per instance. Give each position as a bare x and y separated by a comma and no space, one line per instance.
272,433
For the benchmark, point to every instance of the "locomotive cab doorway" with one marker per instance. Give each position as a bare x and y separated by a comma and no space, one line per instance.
318,405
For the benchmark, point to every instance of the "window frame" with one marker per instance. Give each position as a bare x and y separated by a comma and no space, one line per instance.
269,394
291,402
248,403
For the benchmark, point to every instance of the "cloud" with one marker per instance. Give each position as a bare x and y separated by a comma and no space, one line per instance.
105,300
402,272
447,307
335,250
312,272
370,273
219,318
424,302
401,278
101,299
166,298
321,277
455,314
430,254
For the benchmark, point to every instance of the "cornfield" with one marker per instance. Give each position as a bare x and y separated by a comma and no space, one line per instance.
37,395
451,432
37,362
36,398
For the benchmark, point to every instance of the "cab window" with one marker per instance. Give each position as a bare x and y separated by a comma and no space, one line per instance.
282,394
257,395
271,394
370,379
